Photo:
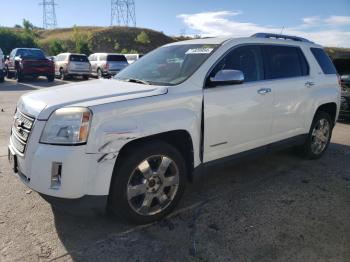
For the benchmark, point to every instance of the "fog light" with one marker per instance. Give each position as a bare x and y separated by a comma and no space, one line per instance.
56,173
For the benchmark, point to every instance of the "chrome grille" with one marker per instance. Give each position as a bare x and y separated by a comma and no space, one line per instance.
22,126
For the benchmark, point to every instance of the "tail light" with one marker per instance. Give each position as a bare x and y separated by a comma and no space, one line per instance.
106,66
339,81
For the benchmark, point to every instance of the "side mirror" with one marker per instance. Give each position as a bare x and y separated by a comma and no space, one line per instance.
227,77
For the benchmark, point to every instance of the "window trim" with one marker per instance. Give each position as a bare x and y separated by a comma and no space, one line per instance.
300,53
261,45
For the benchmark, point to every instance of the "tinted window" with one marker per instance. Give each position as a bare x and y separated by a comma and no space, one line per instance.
247,59
284,61
78,58
30,54
324,61
116,58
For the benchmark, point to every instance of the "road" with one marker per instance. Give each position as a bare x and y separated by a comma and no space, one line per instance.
277,207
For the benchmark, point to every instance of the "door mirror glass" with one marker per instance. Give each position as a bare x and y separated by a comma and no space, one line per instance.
227,77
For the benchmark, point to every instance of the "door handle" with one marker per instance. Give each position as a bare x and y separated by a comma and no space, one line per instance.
264,91
309,84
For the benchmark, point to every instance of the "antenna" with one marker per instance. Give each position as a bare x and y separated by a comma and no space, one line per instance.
123,12
49,14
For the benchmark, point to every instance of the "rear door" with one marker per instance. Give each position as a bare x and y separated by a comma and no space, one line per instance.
287,74
237,117
79,63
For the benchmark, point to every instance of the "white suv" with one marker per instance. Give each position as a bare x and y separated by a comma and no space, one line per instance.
2,61
136,140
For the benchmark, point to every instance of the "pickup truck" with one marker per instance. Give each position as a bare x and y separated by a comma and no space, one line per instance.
132,143
32,62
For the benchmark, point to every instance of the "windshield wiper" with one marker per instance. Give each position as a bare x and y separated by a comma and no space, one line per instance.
139,81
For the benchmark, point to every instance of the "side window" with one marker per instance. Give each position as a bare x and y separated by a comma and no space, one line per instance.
324,61
247,59
284,61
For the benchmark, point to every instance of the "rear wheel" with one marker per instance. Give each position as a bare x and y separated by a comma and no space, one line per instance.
99,73
9,75
51,78
2,79
19,76
86,77
148,182
319,136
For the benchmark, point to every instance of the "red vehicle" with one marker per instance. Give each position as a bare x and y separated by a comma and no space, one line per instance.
24,62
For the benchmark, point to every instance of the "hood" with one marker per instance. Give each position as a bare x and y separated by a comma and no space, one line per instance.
40,104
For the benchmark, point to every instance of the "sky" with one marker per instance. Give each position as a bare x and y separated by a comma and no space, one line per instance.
323,21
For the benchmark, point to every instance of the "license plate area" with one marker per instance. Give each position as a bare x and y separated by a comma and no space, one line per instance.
12,158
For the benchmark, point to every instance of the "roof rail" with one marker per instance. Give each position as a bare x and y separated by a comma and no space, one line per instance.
278,36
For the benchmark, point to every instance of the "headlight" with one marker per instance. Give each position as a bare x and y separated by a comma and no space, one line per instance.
67,126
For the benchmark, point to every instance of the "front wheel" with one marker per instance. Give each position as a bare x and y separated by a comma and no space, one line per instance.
319,136
99,73
148,183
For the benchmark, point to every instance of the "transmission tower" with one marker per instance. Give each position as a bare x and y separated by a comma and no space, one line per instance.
123,12
49,14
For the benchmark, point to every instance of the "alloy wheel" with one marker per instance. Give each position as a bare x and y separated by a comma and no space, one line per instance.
153,185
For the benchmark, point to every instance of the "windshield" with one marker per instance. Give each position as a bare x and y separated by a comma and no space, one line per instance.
78,58
30,54
169,65
116,58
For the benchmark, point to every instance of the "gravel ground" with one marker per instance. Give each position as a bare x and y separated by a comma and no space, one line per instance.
272,208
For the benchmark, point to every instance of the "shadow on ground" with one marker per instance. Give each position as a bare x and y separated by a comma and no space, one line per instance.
271,208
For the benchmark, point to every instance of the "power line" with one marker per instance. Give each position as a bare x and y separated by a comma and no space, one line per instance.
123,12
49,14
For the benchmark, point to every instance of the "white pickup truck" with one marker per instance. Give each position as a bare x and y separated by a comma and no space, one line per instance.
133,142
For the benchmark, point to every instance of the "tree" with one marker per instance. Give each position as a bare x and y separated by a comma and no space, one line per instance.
143,38
116,46
82,41
56,47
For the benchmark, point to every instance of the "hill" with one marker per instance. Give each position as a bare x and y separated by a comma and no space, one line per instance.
97,39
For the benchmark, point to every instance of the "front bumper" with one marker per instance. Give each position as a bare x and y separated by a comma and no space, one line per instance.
82,174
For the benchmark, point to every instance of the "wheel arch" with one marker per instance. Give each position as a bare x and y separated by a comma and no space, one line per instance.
330,108
180,139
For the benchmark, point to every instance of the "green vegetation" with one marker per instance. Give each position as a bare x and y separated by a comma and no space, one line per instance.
143,38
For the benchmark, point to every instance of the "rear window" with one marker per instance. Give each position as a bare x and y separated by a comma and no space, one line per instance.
116,58
78,58
324,61
30,54
284,62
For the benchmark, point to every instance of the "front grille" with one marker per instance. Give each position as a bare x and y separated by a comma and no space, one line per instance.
21,128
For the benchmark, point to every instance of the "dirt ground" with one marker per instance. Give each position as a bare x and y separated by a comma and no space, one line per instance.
277,207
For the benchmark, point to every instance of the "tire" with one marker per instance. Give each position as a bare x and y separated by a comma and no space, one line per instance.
9,75
62,75
86,77
2,79
99,73
51,78
317,144
150,199
19,76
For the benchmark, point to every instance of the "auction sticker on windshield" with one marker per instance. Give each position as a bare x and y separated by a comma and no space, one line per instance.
199,51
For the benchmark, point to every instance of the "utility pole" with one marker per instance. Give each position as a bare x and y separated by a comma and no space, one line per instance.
49,14
123,13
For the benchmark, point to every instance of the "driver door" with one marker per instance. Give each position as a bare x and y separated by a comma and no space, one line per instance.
238,117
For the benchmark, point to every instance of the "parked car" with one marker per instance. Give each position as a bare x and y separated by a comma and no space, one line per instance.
68,65
135,141
32,62
107,64
343,67
2,62
133,57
